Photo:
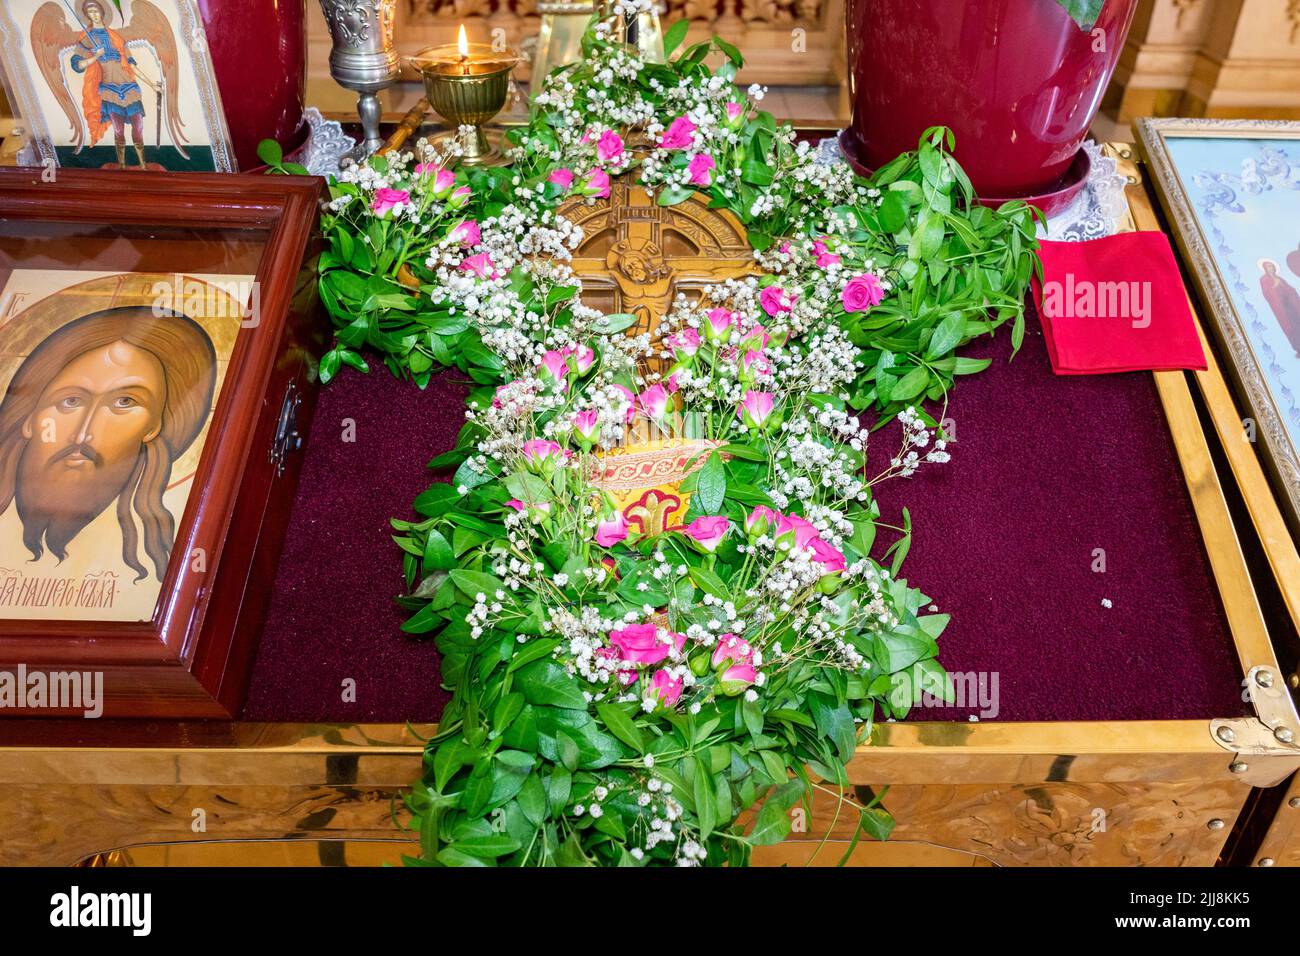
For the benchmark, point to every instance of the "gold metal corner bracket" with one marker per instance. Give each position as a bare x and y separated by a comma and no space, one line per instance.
1265,748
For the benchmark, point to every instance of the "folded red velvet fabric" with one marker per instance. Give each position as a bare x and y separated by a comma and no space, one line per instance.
1115,305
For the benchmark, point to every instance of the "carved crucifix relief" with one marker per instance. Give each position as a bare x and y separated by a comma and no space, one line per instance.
636,255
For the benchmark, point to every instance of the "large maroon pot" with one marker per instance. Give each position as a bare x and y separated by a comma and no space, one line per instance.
259,53
1017,81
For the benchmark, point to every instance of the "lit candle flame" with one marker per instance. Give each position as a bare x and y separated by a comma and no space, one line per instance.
462,43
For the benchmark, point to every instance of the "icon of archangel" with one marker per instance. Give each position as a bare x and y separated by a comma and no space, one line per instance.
112,79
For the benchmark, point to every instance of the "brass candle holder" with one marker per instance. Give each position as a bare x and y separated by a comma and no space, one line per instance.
467,84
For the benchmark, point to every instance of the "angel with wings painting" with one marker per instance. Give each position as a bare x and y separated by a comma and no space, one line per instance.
107,62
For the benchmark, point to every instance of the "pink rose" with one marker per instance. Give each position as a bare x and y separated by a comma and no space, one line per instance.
861,293
654,402
562,177
480,265
540,453
708,532
467,233
459,197
679,135
831,558
609,148
630,414
794,531
443,179
760,521
516,504
611,531
753,364
731,649
640,644
719,321
587,424
626,677
684,343
386,199
775,300
825,258
737,679
701,169
583,357
735,114
664,688
756,408
596,184
555,364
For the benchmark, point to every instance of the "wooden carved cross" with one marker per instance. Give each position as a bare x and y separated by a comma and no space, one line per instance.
636,256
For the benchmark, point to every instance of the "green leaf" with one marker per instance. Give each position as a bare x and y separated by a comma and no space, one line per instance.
615,322
568,751
474,583
450,856
438,555
547,684
710,583
434,501
773,822
877,823
621,726
704,798
532,800
486,847
674,36
532,651
329,365
910,385
903,650
270,152
835,724
756,172
711,488
1083,12
969,366
946,336
672,196
731,52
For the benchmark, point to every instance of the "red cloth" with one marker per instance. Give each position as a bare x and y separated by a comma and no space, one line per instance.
1115,305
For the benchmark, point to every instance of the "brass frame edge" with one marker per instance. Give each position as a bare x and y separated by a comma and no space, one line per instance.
1257,491
1274,729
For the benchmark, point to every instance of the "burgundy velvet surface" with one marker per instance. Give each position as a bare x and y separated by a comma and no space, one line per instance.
1045,470
333,616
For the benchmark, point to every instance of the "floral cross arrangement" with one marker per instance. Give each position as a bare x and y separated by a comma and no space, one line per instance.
625,694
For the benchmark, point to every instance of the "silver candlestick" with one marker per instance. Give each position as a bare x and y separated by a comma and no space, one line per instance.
363,59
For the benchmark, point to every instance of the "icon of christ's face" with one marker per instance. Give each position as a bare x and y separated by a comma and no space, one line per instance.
94,417
87,429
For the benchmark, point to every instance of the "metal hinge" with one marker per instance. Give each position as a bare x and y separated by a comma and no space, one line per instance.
287,440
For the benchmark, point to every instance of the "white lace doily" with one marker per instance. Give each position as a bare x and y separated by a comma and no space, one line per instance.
1096,212
326,144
